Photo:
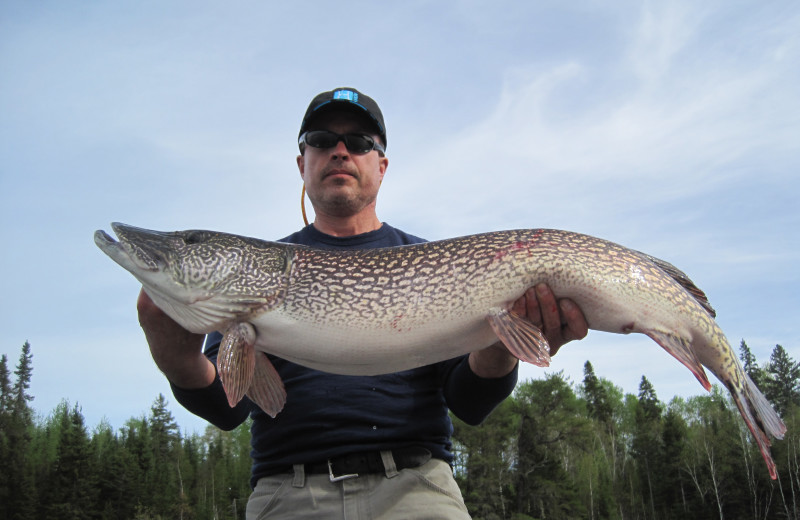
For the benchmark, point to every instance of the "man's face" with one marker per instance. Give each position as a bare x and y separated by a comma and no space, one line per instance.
338,182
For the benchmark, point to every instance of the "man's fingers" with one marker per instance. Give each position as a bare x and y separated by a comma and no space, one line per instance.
574,320
548,309
521,305
529,307
561,321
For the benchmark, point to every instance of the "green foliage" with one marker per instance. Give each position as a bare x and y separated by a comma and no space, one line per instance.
19,486
55,468
597,399
601,454
782,387
486,454
552,450
750,365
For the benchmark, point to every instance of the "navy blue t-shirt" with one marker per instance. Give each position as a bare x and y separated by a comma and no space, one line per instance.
328,414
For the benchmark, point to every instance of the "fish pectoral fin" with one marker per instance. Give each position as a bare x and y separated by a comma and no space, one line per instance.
236,361
681,349
520,336
267,389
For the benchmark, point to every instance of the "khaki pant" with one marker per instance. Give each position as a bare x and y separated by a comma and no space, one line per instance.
426,492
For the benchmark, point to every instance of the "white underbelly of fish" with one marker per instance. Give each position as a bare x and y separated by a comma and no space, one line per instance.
351,349
411,339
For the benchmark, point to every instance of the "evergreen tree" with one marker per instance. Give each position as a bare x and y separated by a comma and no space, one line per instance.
135,437
714,462
21,489
71,490
539,455
483,462
189,476
112,465
597,399
673,486
552,431
20,398
649,405
783,388
5,424
5,390
165,443
750,365
647,445
787,457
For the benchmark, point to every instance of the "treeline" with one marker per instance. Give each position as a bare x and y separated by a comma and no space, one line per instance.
553,450
55,468
562,451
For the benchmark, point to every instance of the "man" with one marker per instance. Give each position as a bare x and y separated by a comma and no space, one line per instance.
347,446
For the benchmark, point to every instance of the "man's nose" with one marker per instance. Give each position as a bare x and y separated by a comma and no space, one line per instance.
340,150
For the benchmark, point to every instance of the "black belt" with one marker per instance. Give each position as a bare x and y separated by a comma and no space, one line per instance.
369,462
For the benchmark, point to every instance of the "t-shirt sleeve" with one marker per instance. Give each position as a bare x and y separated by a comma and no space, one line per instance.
210,403
472,398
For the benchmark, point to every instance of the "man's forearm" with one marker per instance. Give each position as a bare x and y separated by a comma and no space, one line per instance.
492,362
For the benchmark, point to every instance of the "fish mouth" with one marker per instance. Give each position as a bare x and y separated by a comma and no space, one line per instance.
130,251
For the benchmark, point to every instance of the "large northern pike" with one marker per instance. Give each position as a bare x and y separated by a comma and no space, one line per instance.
367,312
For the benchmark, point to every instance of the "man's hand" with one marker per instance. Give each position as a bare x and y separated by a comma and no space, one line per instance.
561,321
177,352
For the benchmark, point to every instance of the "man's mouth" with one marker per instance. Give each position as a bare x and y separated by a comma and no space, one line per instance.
338,172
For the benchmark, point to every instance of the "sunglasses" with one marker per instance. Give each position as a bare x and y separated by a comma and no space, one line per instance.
355,143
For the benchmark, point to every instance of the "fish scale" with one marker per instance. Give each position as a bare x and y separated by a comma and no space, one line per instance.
368,312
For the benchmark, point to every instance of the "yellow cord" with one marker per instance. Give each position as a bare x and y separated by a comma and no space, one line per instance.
303,203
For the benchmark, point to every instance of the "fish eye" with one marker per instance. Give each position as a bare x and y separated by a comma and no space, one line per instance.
194,237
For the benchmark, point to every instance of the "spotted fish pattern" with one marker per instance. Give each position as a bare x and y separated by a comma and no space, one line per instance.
367,312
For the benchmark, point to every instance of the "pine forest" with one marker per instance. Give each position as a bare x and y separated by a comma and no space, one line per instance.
554,450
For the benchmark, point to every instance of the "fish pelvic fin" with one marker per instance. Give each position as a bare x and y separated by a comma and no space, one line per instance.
267,390
681,349
236,361
760,417
520,336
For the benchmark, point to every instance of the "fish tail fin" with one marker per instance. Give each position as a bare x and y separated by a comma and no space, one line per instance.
520,336
681,349
761,418
236,361
267,390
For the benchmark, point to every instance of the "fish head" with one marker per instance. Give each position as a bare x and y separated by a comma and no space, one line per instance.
204,280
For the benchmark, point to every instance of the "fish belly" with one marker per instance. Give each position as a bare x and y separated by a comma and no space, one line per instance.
369,350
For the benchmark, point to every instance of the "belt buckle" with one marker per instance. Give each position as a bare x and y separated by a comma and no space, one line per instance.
334,478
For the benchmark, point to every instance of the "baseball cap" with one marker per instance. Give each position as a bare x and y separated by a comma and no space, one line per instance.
345,99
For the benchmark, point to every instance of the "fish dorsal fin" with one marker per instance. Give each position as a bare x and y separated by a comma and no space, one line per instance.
685,282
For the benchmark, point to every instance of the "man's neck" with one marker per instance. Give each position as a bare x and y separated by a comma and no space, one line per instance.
346,226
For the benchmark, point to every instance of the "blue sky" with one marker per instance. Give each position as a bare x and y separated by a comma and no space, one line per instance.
669,127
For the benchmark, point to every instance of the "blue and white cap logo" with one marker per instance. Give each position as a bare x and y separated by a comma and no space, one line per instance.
347,95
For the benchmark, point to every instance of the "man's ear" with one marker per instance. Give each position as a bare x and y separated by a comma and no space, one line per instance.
301,165
384,164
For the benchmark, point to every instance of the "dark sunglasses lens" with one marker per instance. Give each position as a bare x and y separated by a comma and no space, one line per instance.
321,139
354,142
358,143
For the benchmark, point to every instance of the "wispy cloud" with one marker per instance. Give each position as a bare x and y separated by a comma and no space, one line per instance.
669,127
